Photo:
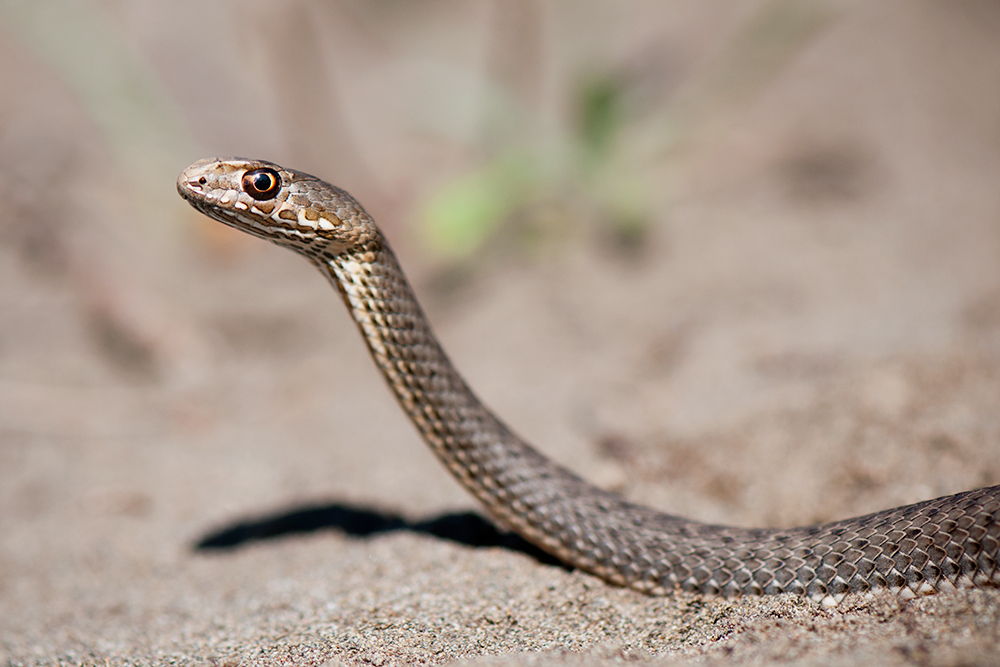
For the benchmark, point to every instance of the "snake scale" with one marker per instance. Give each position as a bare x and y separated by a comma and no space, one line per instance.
919,549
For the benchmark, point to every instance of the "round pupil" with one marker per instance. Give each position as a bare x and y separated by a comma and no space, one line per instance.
263,182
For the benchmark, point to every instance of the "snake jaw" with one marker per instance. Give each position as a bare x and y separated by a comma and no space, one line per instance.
305,214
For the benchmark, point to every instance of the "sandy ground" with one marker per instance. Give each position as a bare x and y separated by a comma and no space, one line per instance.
200,466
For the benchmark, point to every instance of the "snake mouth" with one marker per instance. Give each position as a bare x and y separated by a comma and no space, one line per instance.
187,186
193,182
206,174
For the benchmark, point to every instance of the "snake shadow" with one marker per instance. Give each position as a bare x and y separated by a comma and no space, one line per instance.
465,528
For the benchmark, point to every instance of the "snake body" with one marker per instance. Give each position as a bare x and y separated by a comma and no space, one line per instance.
919,549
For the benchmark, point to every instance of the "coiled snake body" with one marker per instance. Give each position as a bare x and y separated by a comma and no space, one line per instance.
918,549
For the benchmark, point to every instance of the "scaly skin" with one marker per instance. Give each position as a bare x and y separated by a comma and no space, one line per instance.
918,549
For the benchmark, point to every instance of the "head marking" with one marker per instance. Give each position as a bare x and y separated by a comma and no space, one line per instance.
287,207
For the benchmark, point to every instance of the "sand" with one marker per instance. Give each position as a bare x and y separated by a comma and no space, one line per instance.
199,464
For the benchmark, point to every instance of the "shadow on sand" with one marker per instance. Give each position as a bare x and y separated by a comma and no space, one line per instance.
466,528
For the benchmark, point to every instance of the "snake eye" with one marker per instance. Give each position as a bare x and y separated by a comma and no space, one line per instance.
261,184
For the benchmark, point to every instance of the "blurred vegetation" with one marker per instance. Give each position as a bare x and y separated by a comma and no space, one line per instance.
600,168
121,94
595,174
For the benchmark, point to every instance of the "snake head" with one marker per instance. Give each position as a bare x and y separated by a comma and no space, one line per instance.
287,207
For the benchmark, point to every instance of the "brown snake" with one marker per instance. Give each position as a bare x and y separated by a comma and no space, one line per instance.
918,549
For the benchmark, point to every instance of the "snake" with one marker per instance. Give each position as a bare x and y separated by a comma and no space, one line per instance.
924,548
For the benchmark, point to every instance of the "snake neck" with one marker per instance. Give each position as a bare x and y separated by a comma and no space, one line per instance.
405,349
438,401
518,485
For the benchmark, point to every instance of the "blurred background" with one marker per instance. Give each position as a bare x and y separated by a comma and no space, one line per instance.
691,249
